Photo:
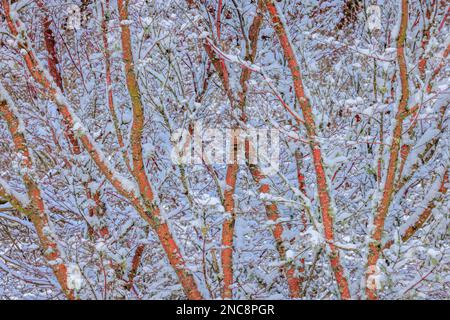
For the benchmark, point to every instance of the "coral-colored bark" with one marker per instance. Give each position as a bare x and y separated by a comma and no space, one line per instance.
388,188
111,105
138,169
38,215
52,61
228,231
324,195
150,212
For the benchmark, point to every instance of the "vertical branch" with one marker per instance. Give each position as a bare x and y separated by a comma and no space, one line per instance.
230,176
52,60
50,46
263,188
137,126
272,212
37,215
162,229
106,16
323,188
149,212
388,188
228,224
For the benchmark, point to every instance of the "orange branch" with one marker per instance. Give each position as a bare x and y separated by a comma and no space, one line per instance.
139,171
38,215
324,195
422,218
109,89
271,209
380,215
52,60
149,212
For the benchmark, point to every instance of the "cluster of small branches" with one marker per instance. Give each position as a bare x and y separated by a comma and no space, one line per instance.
92,205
